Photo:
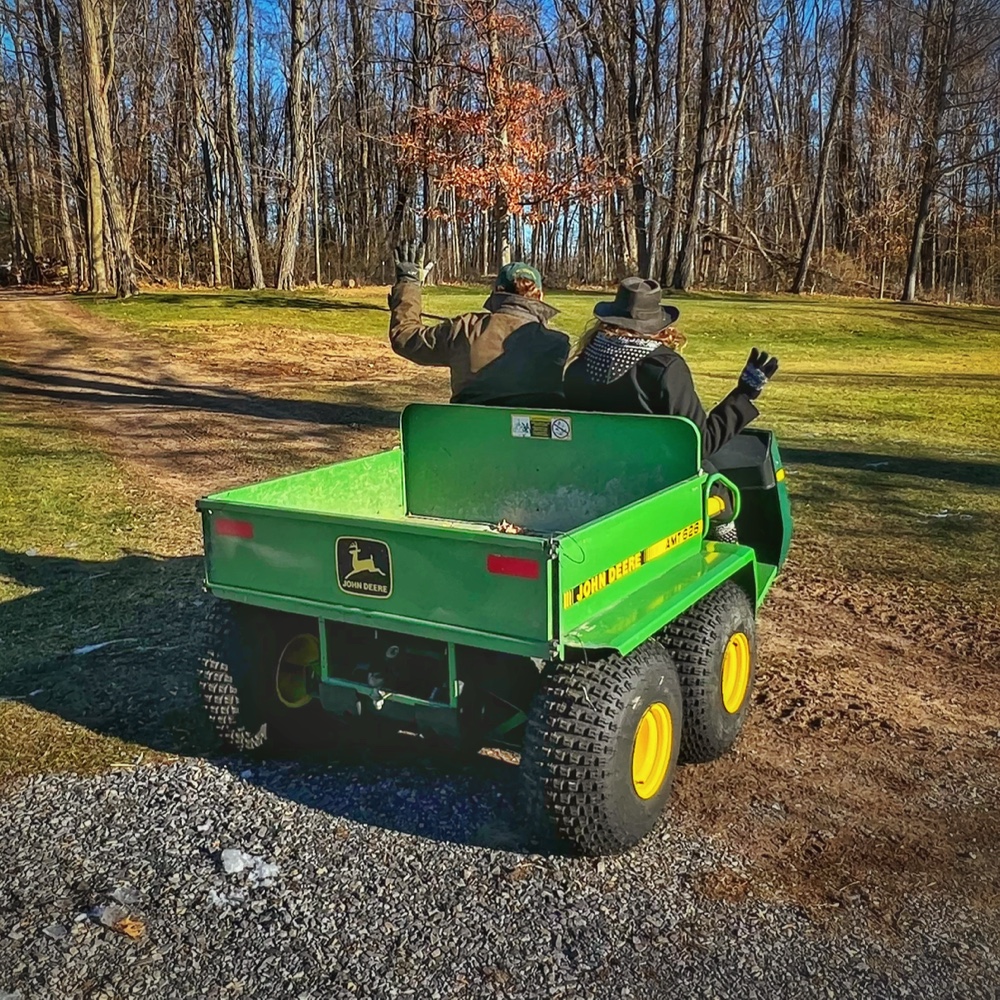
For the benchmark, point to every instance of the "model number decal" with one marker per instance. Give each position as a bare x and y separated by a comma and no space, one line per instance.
629,565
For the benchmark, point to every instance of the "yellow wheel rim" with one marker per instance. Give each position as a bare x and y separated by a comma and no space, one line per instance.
735,672
298,665
651,749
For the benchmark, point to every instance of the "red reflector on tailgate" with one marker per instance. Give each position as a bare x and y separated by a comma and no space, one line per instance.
527,569
235,529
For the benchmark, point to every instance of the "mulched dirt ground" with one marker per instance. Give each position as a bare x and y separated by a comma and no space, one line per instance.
868,772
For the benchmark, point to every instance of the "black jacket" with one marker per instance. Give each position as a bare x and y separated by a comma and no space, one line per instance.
660,383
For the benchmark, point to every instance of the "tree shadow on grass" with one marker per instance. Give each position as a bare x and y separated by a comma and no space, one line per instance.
261,300
890,311
984,319
906,383
141,687
69,385
952,470
936,538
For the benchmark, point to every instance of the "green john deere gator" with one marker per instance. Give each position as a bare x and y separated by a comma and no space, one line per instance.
541,581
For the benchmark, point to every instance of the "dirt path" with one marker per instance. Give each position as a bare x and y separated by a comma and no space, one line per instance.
869,772
190,420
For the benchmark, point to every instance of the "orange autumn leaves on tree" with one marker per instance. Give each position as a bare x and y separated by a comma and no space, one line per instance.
487,139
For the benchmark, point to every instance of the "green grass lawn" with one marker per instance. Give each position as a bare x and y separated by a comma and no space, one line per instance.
884,410
853,370
884,414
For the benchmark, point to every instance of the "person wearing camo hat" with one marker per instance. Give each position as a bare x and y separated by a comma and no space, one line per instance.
506,355
628,361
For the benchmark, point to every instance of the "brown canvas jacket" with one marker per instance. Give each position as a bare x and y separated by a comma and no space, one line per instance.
506,355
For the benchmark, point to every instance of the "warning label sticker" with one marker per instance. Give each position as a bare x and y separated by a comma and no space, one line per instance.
630,564
554,428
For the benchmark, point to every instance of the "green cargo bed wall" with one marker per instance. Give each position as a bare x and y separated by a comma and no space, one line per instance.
361,487
471,463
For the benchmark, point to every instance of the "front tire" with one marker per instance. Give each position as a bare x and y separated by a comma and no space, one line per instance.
601,747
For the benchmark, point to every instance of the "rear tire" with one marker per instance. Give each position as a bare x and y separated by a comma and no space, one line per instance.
237,676
716,695
601,747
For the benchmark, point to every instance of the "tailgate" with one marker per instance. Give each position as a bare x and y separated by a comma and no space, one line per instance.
460,584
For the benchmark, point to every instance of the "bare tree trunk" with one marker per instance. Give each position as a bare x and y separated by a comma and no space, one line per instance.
501,231
258,196
207,140
67,239
361,58
76,166
639,221
682,82
501,207
98,36
684,272
295,119
932,147
314,183
210,168
36,243
19,239
226,36
426,28
95,207
957,222
827,146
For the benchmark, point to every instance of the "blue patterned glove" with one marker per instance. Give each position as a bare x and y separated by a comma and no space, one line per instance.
759,368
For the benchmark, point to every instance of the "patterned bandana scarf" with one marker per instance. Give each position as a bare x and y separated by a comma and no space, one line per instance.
607,358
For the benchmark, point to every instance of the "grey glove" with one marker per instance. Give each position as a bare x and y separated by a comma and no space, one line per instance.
759,368
409,261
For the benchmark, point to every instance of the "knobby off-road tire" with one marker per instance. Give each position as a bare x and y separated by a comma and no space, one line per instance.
237,679
724,533
580,739
697,641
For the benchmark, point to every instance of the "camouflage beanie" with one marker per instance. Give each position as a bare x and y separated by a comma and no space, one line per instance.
518,269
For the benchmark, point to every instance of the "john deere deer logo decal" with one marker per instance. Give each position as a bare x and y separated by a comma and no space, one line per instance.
361,565
364,567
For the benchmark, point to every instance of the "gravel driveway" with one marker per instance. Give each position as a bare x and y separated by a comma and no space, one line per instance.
387,881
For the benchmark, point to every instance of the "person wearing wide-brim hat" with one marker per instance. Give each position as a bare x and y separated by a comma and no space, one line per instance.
505,355
628,362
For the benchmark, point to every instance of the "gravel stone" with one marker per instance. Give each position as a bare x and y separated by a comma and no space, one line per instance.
385,881
126,896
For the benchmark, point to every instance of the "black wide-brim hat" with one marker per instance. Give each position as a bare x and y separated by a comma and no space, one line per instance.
637,307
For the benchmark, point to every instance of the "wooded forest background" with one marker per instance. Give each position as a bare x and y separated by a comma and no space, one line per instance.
835,145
